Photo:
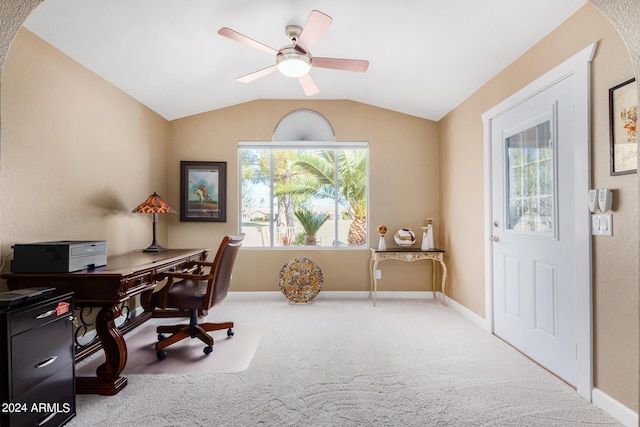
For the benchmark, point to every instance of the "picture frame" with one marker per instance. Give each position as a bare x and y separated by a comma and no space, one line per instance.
203,191
623,134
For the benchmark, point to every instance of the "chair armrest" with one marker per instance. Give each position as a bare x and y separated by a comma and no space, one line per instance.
202,263
180,275
196,267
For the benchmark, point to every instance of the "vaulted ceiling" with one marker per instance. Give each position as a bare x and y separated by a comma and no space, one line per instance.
426,56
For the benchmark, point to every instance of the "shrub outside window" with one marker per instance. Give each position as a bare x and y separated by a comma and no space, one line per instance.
304,194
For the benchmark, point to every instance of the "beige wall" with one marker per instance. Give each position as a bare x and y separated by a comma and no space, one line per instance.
615,274
96,161
616,318
403,182
77,154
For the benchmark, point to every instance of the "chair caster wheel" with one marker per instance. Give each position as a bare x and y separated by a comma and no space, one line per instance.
230,333
161,354
161,337
208,349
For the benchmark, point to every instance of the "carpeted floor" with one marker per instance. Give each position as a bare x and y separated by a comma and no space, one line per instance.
230,355
346,363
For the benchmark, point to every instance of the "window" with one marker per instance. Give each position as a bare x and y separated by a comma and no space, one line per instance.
530,161
304,194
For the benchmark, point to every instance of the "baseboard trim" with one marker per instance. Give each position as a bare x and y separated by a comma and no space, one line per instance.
275,295
251,295
391,294
614,408
464,311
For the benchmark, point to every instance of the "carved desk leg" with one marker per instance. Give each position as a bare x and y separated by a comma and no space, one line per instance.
108,380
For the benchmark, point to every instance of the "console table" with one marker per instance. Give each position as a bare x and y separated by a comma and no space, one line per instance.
408,255
107,288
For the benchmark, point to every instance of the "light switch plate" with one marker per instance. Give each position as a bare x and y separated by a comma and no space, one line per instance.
602,225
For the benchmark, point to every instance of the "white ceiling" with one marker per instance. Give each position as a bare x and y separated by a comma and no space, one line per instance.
426,56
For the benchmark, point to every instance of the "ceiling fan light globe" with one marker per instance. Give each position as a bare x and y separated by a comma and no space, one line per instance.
293,63
294,68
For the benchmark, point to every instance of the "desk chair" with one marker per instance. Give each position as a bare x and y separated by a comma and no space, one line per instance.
197,292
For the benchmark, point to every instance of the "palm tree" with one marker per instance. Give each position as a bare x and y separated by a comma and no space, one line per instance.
256,168
317,178
311,223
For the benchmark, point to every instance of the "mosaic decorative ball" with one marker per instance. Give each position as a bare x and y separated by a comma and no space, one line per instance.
382,229
300,280
405,237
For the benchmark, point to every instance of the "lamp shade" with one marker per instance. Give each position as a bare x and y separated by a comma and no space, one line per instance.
154,204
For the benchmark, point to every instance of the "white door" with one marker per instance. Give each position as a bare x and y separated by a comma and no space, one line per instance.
534,300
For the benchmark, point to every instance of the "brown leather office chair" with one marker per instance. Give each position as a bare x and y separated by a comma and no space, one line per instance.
197,292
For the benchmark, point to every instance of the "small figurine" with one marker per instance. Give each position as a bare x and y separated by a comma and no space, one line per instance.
427,236
382,230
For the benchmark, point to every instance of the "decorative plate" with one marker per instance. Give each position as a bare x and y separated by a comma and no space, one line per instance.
300,280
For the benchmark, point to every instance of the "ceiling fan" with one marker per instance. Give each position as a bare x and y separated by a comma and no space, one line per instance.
295,60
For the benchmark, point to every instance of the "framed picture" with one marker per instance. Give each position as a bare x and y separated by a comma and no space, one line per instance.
203,191
623,134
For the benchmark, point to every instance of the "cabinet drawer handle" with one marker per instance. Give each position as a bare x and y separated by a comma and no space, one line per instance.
46,419
47,362
46,314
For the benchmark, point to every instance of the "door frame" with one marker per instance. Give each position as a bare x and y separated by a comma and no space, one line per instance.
577,66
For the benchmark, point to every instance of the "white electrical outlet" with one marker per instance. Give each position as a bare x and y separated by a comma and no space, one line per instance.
378,274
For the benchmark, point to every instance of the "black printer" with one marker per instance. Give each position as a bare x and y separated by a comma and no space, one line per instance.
62,256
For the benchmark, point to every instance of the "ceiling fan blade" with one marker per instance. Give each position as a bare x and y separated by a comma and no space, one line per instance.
241,38
308,85
316,25
257,74
358,65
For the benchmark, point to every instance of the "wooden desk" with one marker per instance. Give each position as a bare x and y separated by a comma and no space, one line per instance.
409,255
107,288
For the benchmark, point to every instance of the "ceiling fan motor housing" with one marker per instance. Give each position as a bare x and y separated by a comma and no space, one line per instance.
293,33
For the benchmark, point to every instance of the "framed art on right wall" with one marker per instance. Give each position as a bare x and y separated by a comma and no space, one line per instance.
623,133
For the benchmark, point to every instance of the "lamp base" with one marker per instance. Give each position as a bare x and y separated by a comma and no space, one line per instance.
154,248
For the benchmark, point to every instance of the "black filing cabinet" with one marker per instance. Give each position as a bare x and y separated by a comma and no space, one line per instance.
37,377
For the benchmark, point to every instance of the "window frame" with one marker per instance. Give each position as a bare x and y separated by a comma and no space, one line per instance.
547,114
301,145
